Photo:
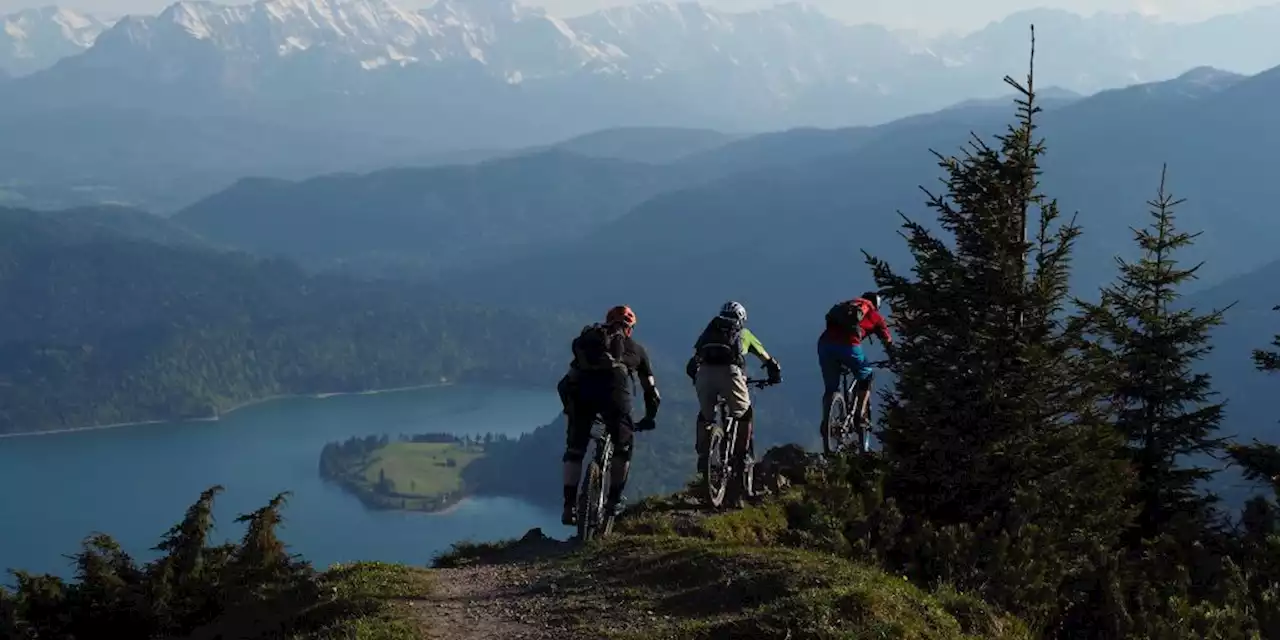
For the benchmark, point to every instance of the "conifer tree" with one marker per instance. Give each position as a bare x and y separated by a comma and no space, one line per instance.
261,562
990,431
10,627
1147,350
179,588
107,597
1261,461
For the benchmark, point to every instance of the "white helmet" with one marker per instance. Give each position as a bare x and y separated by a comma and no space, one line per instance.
734,311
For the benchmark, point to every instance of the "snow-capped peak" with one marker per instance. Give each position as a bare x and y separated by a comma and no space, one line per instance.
512,41
33,39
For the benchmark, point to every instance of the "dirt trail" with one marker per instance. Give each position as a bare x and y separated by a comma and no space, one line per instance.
508,595
521,593
480,602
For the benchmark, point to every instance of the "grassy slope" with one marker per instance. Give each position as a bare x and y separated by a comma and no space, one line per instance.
677,577
363,601
371,601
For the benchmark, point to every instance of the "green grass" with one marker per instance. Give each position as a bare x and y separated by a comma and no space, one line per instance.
364,601
370,601
423,476
676,587
465,552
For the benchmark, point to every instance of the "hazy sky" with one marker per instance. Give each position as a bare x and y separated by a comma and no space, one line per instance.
929,15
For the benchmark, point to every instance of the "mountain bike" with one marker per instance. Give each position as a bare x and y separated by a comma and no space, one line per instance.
722,464
845,427
593,522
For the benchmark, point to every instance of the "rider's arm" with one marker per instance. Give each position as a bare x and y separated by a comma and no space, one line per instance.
644,370
751,344
881,328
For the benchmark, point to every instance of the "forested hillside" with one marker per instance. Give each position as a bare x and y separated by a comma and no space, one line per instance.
417,222
100,327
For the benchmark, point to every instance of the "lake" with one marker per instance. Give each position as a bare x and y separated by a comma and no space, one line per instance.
135,482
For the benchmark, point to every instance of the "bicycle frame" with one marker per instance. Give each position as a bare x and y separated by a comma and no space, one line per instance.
727,463
854,410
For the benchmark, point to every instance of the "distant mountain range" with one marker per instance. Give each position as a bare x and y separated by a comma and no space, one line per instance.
485,73
34,39
670,220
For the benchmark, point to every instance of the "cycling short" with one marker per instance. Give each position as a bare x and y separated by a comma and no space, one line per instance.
834,357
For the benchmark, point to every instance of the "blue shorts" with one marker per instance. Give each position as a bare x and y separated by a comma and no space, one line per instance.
834,357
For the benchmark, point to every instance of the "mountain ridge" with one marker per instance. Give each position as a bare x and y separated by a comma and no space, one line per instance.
649,64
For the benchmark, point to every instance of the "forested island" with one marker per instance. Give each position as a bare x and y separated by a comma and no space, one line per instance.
424,472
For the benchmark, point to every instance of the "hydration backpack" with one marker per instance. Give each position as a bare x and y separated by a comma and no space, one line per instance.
599,348
721,342
848,315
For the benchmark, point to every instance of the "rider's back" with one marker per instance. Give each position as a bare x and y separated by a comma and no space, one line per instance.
605,355
849,321
720,343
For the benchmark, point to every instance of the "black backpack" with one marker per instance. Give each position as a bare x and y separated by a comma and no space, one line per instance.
599,348
847,315
721,342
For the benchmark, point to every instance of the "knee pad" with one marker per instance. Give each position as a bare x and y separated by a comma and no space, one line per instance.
572,455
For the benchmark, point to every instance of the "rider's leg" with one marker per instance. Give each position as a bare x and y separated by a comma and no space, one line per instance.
829,363
577,437
708,395
617,418
864,375
737,399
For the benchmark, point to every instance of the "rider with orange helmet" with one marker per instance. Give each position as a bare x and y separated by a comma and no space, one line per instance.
598,383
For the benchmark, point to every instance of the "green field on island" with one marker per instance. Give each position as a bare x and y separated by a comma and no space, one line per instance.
421,469
418,476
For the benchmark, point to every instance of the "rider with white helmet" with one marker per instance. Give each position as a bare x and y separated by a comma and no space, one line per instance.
718,368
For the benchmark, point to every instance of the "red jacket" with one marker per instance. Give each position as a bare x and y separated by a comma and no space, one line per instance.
872,322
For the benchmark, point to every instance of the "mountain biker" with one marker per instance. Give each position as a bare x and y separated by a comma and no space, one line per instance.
718,369
840,346
599,383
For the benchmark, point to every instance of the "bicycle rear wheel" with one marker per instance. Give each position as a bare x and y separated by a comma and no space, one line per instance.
716,471
591,497
837,422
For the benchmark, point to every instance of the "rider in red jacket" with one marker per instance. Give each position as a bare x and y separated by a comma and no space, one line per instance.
840,346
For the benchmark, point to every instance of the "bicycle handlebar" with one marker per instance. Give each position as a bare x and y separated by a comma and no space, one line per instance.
759,384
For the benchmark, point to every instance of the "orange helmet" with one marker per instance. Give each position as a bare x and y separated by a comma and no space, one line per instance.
622,315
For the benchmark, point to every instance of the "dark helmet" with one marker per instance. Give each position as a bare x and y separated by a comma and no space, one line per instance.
872,297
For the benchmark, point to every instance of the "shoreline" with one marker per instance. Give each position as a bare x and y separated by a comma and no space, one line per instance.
221,414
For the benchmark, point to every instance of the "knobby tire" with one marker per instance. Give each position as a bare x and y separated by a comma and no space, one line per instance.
591,497
716,483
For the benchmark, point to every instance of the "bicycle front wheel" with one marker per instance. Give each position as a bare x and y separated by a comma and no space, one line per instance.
715,472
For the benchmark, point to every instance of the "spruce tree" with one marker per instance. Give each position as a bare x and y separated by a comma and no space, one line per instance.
1147,350
991,435
1259,460
261,563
